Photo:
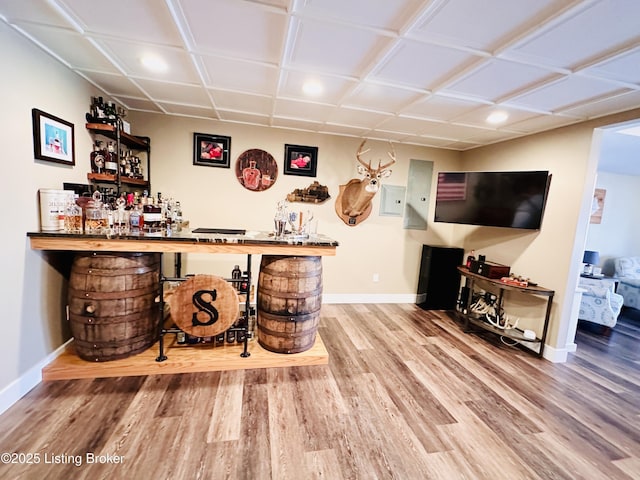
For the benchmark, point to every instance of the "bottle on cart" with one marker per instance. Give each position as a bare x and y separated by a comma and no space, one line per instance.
236,274
471,258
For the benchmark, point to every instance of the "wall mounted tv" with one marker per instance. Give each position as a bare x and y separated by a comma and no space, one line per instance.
495,199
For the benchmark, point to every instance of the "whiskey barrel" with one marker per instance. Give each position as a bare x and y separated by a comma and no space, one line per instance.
289,300
113,311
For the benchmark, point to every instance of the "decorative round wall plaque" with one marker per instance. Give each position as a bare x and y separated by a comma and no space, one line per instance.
256,170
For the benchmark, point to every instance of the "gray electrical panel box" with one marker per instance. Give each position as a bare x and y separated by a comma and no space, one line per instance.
418,191
392,200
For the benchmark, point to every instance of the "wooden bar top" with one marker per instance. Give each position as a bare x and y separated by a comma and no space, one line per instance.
186,241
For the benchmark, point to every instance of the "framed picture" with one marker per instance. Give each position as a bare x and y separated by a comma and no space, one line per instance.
211,150
53,138
300,160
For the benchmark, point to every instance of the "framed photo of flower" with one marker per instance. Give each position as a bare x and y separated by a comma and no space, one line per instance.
53,138
300,160
211,150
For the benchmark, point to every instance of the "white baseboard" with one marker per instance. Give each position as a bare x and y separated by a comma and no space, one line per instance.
556,355
369,298
25,382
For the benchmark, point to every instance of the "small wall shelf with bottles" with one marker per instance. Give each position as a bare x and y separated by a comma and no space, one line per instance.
130,170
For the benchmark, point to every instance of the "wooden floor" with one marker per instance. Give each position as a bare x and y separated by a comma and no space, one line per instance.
406,395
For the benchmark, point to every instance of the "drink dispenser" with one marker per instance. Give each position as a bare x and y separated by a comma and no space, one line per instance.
96,220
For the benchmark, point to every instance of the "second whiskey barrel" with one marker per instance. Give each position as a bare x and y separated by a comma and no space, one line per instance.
289,300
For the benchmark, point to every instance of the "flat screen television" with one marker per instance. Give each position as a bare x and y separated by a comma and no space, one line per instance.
494,199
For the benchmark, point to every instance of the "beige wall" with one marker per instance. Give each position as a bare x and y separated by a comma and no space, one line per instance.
32,307
212,197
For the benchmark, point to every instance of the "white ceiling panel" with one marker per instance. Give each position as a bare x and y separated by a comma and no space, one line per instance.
381,14
141,104
187,94
620,103
624,68
387,98
73,48
142,20
114,84
581,37
478,117
129,57
425,72
298,109
230,74
481,82
421,65
33,11
568,91
437,107
488,22
333,87
542,123
296,124
322,46
242,102
188,110
357,117
239,117
237,29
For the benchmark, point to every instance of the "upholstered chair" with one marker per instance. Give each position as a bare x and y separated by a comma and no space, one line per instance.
627,272
600,304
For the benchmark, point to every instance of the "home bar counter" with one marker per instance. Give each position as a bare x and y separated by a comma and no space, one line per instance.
180,358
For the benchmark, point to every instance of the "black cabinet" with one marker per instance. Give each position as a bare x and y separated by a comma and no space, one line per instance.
439,280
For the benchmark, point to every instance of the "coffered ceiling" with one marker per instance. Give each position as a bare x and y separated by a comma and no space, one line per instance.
426,72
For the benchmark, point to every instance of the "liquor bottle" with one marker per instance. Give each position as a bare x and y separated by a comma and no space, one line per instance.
111,160
134,218
236,273
73,217
231,336
151,220
471,258
97,158
178,216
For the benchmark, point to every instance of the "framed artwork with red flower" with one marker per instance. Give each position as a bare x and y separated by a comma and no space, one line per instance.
211,150
300,160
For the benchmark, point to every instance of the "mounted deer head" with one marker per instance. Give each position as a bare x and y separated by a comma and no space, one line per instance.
353,204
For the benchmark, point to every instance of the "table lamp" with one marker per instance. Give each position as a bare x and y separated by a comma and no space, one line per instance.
590,259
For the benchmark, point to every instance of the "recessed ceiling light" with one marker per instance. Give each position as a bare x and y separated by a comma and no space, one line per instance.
499,116
312,88
154,63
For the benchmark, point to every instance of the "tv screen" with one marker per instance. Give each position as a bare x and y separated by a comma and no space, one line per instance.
495,199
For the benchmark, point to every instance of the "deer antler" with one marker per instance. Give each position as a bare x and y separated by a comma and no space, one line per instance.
391,155
360,152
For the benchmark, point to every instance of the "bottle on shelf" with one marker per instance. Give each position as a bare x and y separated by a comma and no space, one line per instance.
97,157
111,160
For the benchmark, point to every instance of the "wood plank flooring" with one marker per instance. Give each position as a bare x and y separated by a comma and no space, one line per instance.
406,395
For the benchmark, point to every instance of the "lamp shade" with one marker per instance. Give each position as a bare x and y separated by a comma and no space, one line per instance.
591,258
